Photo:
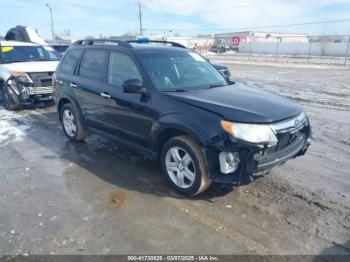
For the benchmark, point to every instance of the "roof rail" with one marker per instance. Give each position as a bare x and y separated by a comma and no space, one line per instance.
142,41
102,42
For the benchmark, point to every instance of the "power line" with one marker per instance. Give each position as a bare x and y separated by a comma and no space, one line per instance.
261,27
222,9
239,6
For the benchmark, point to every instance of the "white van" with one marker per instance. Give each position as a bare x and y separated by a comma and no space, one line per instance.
26,71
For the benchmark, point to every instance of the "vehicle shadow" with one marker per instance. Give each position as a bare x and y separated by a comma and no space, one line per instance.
337,252
107,160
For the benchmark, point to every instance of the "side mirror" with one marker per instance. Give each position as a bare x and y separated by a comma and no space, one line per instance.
134,86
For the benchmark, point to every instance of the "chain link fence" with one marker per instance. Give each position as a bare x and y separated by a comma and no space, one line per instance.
331,49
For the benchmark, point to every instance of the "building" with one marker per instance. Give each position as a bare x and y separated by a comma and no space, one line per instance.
233,41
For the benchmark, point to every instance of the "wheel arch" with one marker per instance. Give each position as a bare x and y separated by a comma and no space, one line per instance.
67,100
176,125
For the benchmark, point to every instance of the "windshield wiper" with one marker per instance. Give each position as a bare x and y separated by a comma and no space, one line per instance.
216,85
175,90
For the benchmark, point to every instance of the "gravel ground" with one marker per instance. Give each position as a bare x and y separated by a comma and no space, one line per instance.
96,197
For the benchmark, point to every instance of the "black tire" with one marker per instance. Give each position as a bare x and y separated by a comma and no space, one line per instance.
7,99
81,132
201,181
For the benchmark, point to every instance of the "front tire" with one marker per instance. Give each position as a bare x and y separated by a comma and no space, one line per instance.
72,125
184,166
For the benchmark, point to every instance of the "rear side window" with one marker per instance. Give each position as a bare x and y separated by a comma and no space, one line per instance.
70,61
92,65
121,68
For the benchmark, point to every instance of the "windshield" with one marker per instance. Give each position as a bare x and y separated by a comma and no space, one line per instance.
180,71
13,54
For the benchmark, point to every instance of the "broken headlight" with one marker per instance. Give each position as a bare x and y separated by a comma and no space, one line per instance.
253,133
19,82
21,78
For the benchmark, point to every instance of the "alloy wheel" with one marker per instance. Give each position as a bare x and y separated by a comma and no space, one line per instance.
69,123
180,167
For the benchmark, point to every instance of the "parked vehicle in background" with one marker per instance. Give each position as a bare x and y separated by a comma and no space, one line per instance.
223,69
172,104
224,45
26,71
60,48
29,35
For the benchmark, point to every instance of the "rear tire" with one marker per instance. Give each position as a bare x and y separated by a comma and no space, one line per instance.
72,125
7,99
184,166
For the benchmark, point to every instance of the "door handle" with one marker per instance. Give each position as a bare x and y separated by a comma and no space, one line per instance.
105,95
73,85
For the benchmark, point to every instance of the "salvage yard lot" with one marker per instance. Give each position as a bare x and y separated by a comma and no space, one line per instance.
59,197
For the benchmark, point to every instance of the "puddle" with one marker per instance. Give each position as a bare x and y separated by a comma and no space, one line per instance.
118,198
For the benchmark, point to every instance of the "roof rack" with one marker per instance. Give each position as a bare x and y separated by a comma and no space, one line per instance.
142,41
102,42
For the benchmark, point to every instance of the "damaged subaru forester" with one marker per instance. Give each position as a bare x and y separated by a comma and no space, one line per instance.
172,104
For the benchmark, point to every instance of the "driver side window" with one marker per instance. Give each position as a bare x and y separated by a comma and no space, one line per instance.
120,69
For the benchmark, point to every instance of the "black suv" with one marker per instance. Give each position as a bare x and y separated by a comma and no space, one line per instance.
171,103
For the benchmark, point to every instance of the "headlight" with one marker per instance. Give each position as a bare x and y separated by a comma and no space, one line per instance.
252,133
21,77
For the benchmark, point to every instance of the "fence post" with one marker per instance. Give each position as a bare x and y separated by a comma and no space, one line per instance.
347,51
309,54
250,46
278,43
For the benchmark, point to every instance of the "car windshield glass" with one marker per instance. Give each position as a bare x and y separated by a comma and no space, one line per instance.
180,70
13,54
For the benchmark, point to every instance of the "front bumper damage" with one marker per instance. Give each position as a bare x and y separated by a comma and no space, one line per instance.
255,159
25,93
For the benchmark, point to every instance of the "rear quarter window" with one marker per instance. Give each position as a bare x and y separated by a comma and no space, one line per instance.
70,61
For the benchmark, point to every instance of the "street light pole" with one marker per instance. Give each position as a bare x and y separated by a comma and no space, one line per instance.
140,14
52,28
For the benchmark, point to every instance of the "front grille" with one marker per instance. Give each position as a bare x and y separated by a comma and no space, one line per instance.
284,139
291,135
46,82
42,79
40,90
282,155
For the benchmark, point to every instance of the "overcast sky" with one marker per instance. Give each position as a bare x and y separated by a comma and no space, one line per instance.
187,17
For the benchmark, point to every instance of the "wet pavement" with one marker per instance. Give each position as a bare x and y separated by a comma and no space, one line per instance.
96,197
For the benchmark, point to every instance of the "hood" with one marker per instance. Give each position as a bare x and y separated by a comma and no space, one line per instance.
241,103
32,67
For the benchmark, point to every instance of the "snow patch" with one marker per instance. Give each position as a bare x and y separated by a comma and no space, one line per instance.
13,127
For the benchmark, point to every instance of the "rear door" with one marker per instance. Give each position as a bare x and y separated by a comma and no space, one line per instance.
65,73
87,85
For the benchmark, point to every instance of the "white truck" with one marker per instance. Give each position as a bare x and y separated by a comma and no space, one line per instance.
26,71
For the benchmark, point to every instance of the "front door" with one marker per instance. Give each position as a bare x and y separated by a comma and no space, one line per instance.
128,113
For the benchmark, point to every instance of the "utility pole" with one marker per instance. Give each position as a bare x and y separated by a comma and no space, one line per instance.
52,28
140,14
